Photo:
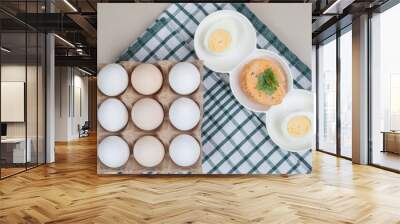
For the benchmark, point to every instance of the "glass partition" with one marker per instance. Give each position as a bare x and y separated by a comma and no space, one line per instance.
385,89
346,94
22,67
334,74
327,97
41,97
31,100
13,105
32,86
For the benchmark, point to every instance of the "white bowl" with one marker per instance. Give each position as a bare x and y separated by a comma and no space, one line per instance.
246,43
234,79
297,101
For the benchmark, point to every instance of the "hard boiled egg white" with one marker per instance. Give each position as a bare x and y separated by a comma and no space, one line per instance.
146,79
147,114
112,115
221,37
112,80
148,151
184,78
184,150
298,126
113,151
184,114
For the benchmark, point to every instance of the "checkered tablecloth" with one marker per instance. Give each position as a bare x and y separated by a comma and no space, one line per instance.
235,140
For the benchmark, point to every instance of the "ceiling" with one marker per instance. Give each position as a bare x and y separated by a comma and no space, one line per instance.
75,22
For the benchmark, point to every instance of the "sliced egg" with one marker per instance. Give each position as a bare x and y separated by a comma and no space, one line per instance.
298,126
221,37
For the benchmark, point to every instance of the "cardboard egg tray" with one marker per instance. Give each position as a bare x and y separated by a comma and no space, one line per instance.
165,133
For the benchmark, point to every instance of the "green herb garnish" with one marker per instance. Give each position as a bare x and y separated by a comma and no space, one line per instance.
267,82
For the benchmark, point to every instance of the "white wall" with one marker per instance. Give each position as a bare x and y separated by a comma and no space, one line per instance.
79,117
12,73
314,89
290,22
61,103
67,115
360,90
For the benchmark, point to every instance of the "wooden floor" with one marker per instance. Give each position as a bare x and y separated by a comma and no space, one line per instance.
5,172
69,191
386,159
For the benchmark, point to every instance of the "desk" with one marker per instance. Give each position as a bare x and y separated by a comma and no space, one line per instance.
391,141
13,150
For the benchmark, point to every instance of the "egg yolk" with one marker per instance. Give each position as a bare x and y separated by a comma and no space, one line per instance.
219,40
299,126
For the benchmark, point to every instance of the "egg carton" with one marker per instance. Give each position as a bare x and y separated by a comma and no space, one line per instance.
165,132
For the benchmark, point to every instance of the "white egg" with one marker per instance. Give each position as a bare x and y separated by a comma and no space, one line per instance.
184,114
146,79
113,151
148,151
184,150
230,28
112,115
184,78
112,80
147,114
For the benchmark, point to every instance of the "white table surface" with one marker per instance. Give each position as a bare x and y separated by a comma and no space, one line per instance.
19,149
119,24
13,140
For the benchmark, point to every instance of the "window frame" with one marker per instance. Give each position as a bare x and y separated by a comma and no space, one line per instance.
336,36
27,29
381,9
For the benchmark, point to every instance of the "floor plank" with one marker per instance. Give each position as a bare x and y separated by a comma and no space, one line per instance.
70,191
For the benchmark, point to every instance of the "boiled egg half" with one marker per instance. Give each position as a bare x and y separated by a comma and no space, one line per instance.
298,126
221,37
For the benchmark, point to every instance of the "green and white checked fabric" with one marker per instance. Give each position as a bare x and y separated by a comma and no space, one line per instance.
235,140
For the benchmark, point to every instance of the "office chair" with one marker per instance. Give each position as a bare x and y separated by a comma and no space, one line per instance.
84,130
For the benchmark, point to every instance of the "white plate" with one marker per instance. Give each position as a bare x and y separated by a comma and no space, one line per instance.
246,41
297,100
234,79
